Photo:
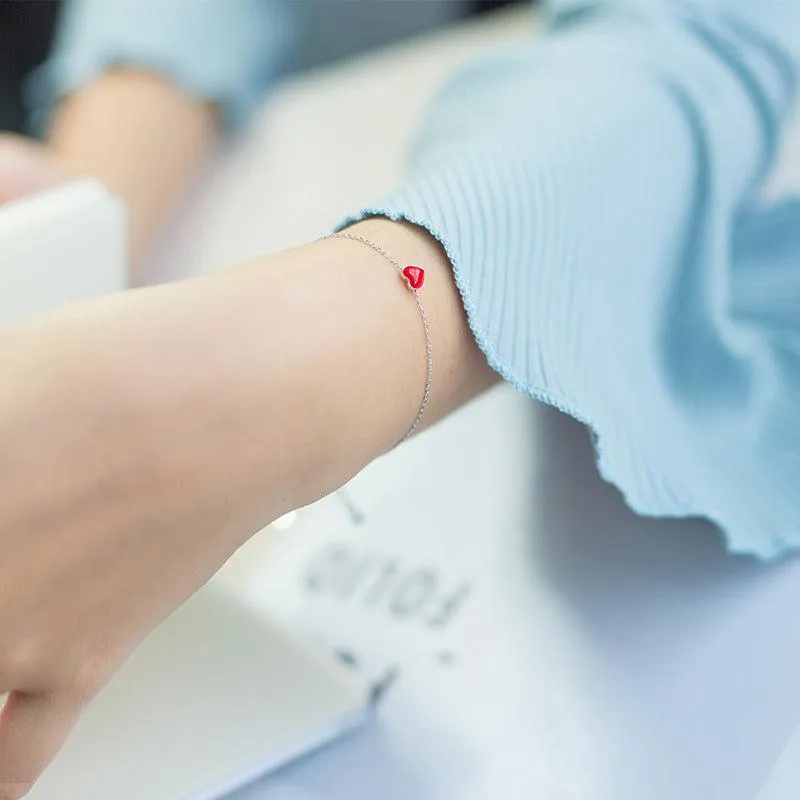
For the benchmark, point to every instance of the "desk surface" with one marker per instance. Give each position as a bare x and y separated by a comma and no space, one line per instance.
528,635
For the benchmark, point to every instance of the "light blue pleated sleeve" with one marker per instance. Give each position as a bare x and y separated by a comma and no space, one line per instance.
598,192
225,51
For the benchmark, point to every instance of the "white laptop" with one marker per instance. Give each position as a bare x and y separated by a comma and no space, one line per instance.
218,695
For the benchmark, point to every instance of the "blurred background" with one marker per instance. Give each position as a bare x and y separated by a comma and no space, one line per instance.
335,29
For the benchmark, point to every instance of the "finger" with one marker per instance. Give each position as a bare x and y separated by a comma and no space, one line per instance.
33,729
25,168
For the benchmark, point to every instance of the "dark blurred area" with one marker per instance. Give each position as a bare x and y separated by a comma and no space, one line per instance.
337,29
26,30
482,6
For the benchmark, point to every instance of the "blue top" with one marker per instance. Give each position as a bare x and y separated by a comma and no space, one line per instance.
228,51
598,191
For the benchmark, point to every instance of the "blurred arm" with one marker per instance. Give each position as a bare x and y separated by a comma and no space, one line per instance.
141,136
135,92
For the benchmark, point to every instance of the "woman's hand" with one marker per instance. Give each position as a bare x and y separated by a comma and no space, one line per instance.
145,436
110,514
27,167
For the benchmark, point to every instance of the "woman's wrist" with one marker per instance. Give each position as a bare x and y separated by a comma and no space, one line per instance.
355,348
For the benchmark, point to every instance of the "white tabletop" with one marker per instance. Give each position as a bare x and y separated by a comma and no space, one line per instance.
532,637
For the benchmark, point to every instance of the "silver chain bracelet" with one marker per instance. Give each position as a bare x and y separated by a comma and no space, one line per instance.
414,277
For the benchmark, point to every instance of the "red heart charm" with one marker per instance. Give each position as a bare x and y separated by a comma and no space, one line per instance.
415,276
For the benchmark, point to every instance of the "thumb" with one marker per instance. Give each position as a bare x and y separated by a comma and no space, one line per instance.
32,730
25,167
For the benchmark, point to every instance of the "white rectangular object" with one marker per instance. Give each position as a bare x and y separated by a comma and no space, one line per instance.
216,697
62,245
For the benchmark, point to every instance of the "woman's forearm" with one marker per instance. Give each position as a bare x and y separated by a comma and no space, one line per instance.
147,435
139,135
